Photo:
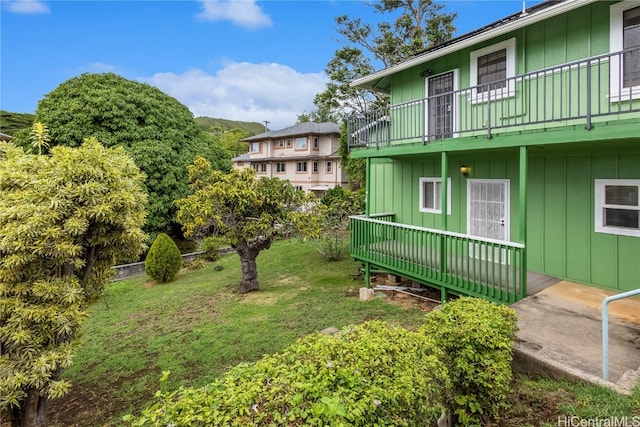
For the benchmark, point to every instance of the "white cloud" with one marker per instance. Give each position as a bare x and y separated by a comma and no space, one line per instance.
245,13
32,7
245,91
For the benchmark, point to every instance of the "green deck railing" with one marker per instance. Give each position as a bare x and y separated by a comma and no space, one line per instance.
464,264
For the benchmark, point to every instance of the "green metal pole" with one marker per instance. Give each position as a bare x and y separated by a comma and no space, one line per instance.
445,203
523,219
367,212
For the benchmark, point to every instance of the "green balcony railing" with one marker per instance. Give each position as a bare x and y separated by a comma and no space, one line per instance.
464,264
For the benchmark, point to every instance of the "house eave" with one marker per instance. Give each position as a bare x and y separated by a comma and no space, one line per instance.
379,81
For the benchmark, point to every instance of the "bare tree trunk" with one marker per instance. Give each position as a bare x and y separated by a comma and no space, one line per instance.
248,252
33,411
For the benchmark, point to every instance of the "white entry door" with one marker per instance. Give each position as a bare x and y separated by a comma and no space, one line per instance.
488,212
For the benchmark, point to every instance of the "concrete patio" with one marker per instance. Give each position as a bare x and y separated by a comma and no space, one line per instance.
561,334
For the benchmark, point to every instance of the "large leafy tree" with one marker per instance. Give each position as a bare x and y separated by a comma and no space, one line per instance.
418,24
155,129
65,218
248,212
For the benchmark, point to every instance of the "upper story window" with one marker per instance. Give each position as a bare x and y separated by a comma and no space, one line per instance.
281,167
279,143
301,143
254,147
316,144
617,206
329,166
492,69
431,195
288,142
625,35
301,167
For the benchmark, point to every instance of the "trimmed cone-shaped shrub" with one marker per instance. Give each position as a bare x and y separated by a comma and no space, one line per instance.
163,260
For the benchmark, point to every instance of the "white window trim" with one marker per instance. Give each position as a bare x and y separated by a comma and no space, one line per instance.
510,90
301,139
421,195
454,104
600,204
616,11
258,145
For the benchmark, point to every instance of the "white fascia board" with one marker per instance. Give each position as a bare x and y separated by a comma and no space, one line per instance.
366,81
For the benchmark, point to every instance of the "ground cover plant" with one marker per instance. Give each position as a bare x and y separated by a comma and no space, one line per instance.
198,327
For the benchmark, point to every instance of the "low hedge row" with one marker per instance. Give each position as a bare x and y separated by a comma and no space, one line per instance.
371,374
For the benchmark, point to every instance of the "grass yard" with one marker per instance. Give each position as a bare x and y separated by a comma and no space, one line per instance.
198,325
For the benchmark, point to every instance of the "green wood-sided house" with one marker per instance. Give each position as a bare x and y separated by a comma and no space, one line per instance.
513,149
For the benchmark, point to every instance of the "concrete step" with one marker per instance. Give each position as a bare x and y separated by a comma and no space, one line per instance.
629,379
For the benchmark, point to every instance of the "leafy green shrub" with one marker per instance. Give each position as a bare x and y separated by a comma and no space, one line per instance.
163,259
211,247
369,375
476,337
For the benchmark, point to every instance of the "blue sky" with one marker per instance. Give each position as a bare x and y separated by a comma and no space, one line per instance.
240,60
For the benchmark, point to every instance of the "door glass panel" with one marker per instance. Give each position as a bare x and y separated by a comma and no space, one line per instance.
440,106
631,40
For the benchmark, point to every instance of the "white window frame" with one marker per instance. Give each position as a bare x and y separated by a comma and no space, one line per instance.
281,167
299,143
616,12
316,143
600,205
253,146
437,210
300,169
315,167
329,167
506,92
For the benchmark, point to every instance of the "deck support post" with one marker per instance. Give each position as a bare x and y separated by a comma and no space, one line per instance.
367,274
523,219
444,203
443,295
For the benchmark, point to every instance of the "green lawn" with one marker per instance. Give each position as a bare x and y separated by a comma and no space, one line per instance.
198,326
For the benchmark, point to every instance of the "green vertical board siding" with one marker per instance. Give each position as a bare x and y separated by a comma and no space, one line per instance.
579,218
628,247
535,214
555,216
578,35
604,253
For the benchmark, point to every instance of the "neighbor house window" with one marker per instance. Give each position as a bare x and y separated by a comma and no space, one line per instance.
301,167
263,167
315,167
329,166
301,143
298,187
431,195
279,143
288,142
492,69
315,143
624,34
255,166
280,167
617,206
255,147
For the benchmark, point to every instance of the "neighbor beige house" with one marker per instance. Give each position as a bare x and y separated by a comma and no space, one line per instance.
305,154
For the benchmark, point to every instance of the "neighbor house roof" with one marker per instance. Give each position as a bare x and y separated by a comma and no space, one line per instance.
245,157
307,128
379,81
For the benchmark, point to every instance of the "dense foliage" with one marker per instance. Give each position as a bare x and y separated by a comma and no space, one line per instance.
477,338
368,375
249,213
163,260
329,226
418,24
64,220
154,128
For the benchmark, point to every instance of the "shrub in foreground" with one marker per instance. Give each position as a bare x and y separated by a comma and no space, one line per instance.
476,337
163,260
369,375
